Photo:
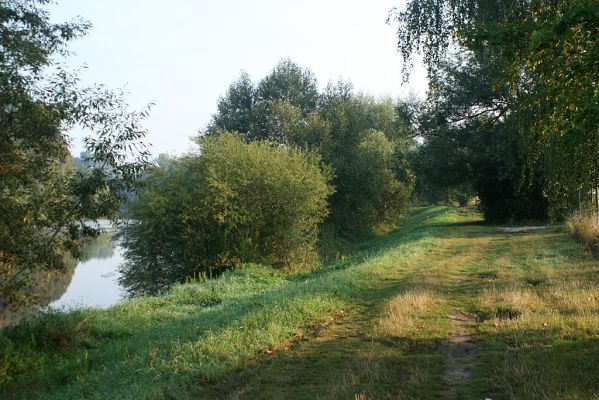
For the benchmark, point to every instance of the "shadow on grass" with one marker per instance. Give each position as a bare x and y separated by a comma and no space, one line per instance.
120,365
345,368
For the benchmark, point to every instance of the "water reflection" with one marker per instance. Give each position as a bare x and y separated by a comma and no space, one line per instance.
90,281
94,282
44,287
100,248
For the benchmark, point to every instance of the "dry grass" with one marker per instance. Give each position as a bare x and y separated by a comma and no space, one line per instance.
402,314
524,301
366,371
375,372
574,297
586,230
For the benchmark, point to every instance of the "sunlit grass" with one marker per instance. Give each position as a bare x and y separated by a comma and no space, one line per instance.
403,314
367,326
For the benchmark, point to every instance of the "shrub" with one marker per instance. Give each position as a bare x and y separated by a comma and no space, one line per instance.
368,191
234,203
586,231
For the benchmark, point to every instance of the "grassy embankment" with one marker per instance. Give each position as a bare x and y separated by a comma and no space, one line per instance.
444,307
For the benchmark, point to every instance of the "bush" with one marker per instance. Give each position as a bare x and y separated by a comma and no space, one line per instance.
365,140
234,203
368,191
586,231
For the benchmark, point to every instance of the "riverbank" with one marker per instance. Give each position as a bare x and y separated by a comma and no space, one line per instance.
443,307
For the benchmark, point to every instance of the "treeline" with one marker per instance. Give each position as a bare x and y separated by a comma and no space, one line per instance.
510,122
512,112
277,161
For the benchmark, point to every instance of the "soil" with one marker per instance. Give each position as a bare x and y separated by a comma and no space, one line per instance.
458,349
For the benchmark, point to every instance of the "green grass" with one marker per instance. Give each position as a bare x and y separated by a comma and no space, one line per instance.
368,326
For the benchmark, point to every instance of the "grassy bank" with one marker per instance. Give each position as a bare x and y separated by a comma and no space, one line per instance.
443,307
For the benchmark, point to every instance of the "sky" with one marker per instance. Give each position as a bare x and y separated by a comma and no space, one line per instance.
183,54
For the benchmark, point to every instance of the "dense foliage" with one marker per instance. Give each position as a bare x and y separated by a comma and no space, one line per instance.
472,148
44,198
232,203
364,140
535,64
277,160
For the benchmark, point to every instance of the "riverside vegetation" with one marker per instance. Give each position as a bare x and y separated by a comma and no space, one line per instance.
282,253
384,322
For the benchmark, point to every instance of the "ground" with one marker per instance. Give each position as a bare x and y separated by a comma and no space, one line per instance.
489,313
446,307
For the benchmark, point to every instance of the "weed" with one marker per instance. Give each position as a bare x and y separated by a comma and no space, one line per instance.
586,231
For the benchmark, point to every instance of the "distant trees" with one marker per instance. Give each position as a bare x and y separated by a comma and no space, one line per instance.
231,203
44,198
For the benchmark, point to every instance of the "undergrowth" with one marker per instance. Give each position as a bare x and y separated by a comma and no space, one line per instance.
585,229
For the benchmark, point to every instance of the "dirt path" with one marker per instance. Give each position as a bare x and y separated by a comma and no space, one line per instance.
521,229
459,350
352,358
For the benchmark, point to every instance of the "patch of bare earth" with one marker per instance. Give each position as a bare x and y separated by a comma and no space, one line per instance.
459,350
520,229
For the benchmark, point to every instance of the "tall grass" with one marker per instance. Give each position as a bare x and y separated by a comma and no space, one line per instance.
585,229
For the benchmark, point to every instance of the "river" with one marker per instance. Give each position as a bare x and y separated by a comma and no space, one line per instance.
90,281
94,282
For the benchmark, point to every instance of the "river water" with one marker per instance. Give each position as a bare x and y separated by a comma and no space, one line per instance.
90,281
94,282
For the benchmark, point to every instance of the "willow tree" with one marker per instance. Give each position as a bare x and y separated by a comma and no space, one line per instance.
44,198
548,52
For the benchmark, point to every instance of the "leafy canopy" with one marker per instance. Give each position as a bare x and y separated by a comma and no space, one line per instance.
44,198
547,57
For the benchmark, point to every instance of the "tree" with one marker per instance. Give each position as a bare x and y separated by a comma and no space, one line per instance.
291,83
287,110
367,149
548,57
44,198
235,110
232,203
249,109
474,143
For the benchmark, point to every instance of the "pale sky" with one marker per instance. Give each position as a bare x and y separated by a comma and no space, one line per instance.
183,54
